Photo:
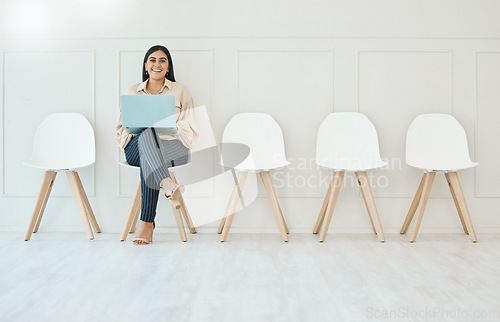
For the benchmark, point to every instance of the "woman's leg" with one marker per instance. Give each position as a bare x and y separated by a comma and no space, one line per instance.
152,158
154,162
174,153
148,192
149,196
159,155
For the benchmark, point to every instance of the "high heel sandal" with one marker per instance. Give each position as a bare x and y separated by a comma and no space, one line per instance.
144,241
173,193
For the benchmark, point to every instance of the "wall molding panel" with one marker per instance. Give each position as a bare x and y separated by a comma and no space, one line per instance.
485,107
280,82
54,84
2,137
387,106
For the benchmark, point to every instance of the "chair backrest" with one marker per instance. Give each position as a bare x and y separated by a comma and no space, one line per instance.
63,141
263,137
348,141
437,142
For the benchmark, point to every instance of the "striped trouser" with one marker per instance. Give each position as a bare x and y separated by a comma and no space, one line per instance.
154,157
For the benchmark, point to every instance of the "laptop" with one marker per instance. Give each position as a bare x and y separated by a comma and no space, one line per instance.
144,111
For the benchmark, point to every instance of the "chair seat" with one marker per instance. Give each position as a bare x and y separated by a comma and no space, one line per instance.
351,165
262,167
125,164
447,167
55,167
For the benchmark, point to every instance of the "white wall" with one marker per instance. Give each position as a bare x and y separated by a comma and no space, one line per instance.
296,60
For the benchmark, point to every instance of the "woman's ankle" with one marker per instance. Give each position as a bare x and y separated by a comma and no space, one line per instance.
147,224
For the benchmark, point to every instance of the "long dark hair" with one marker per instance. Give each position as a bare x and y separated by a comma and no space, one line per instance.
170,75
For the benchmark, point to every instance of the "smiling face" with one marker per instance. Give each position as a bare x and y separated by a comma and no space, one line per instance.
157,65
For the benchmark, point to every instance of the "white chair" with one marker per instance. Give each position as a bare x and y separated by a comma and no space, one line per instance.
206,140
437,143
348,142
264,139
63,142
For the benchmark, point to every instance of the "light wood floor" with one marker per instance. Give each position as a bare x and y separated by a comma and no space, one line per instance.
251,277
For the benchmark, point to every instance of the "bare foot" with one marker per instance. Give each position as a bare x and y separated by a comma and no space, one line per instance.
144,233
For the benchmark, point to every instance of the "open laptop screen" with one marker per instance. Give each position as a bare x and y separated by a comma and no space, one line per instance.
144,111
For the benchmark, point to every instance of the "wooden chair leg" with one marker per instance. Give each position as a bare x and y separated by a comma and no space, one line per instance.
221,225
360,182
187,217
184,210
232,204
38,212
137,203
426,190
223,220
46,198
338,177
90,213
457,187
133,213
79,201
366,191
268,184
279,208
283,220
136,214
322,212
464,226
178,220
414,205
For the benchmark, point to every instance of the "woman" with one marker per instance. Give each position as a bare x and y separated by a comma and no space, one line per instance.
155,153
